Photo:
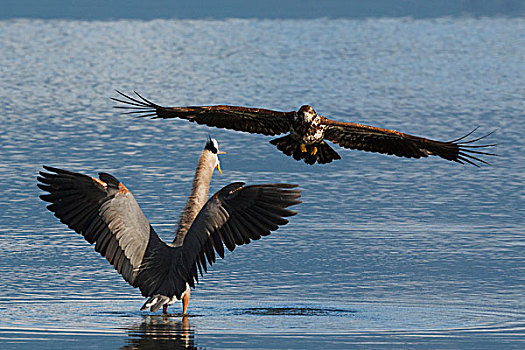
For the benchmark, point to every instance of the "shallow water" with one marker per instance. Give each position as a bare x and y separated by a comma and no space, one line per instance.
385,252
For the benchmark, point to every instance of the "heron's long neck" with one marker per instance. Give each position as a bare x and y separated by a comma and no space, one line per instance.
198,195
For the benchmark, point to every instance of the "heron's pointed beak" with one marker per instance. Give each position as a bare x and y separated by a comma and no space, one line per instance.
219,167
219,163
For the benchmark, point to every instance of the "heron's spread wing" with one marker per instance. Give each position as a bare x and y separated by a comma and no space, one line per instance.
234,216
372,139
106,213
252,120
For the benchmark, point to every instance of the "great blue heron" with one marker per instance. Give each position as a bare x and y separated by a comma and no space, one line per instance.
309,130
105,212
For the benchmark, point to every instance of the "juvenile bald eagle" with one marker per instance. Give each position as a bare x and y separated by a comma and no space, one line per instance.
309,131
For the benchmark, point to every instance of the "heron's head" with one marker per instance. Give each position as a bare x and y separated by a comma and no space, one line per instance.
213,146
307,113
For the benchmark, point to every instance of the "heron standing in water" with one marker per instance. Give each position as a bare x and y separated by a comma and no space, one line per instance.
105,212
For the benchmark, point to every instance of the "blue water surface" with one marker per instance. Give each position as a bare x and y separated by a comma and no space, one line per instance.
283,9
385,252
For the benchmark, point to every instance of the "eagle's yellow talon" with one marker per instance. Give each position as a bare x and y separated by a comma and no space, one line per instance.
303,147
314,151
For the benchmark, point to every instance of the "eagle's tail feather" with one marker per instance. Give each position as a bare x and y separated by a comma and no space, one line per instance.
319,152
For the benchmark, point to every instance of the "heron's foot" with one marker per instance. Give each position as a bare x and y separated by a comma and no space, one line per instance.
313,152
303,148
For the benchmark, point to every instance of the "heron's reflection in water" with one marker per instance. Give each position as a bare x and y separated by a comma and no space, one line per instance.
161,332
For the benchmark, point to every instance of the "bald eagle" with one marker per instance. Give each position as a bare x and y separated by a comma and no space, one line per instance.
307,132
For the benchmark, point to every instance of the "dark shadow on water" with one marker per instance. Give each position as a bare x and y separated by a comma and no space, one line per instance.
293,311
161,332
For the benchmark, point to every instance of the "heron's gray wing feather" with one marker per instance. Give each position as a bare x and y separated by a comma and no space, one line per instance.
107,214
235,215
252,120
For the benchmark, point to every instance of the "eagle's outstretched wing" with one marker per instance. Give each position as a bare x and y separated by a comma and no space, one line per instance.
373,139
252,120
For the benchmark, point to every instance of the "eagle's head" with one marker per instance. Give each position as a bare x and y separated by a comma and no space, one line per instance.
307,113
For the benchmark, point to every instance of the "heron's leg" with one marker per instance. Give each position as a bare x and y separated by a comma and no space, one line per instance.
313,151
165,308
303,147
185,301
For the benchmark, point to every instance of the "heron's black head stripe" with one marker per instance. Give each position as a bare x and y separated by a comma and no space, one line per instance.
212,145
